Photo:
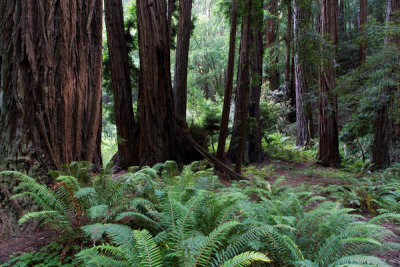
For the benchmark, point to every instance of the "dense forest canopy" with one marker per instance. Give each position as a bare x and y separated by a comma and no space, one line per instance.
200,132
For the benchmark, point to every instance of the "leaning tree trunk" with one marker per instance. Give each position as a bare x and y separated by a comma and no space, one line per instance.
299,28
51,83
223,131
271,38
363,22
328,130
182,58
157,140
121,83
384,124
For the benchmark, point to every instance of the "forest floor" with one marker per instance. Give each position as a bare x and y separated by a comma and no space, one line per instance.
293,173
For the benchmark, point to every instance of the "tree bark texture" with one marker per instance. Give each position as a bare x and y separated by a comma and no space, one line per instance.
328,130
363,22
51,83
272,27
299,27
245,88
182,58
223,131
255,150
384,124
121,83
157,141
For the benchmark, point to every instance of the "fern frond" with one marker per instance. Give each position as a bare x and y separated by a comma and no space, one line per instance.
245,259
147,249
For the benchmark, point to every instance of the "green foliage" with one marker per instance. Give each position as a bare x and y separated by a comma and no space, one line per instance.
50,255
162,217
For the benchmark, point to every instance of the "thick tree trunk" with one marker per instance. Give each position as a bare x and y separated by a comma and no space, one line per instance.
245,88
271,38
121,83
182,58
363,22
255,150
384,124
382,140
299,28
51,83
223,132
235,137
157,141
328,130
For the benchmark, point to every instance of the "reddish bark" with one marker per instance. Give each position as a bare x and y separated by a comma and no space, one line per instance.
299,28
157,141
121,83
51,82
328,152
245,88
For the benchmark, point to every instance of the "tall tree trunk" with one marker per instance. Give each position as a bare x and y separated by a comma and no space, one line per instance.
384,124
290,91
51,83
182,58
255,150
271,38
245,88
121,83
328,129
299,28
363,22
223,132
157,140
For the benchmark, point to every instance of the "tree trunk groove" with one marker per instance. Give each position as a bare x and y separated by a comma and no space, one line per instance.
223,132
182,54
384,124
121,83
157,140
363,22
299,28
328,152
51,83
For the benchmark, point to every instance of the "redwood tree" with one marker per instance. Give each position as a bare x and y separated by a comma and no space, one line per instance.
301,14
51,83
271,32
245,85
228,84
157,140
182,58
384,124
121,83
328,151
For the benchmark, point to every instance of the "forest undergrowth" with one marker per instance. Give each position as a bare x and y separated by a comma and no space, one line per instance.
290,213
